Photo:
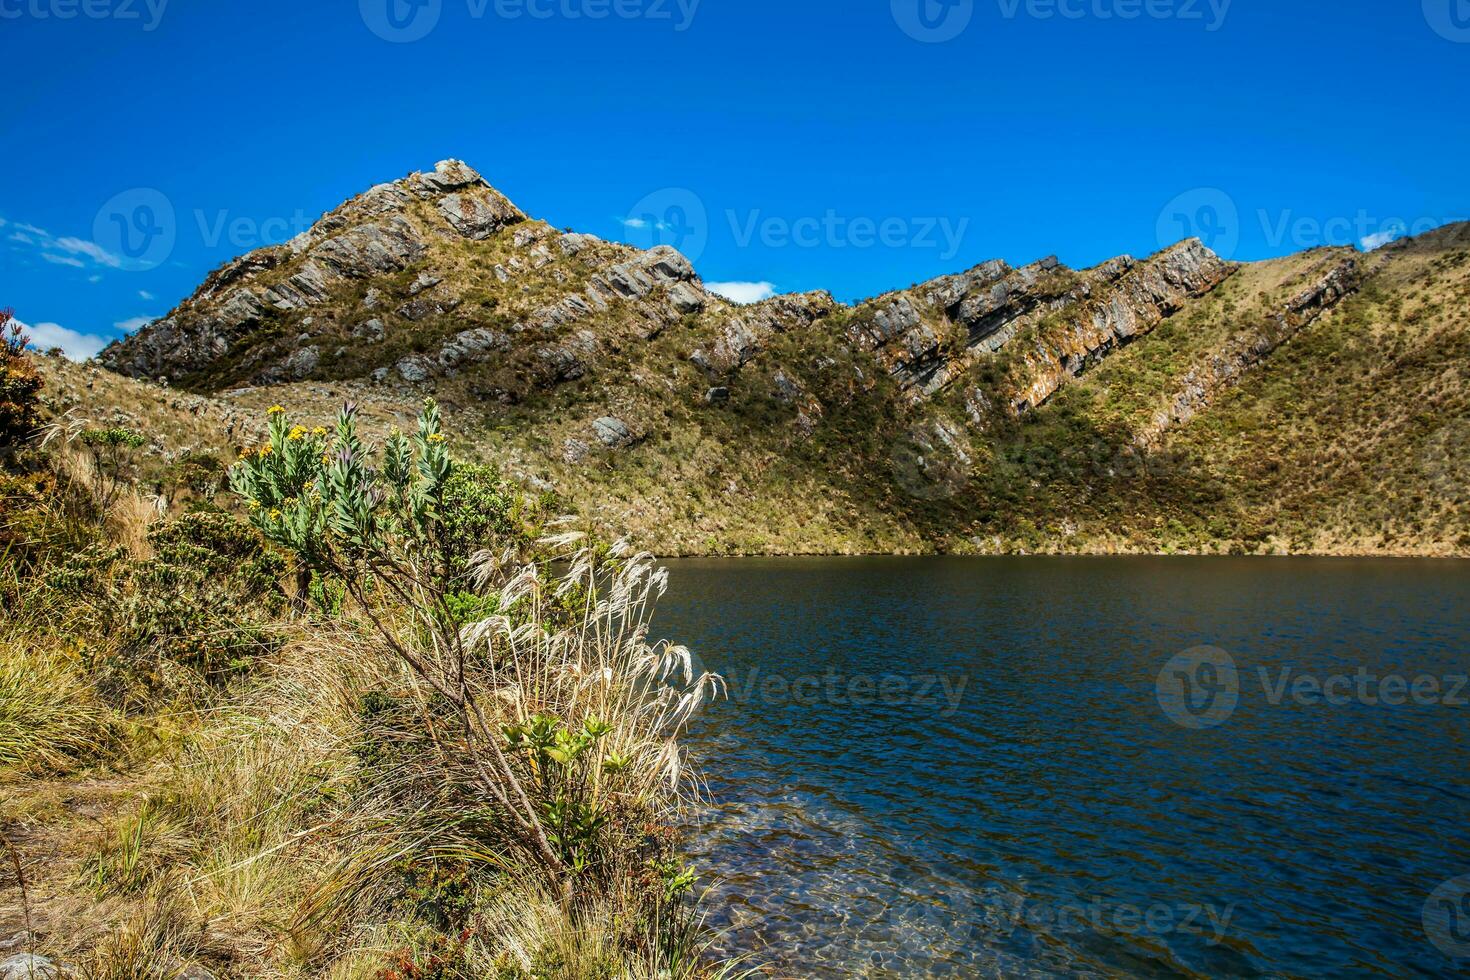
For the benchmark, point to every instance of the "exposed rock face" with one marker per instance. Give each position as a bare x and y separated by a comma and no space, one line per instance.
1224,369
1076,317
747,330
371,235
439,276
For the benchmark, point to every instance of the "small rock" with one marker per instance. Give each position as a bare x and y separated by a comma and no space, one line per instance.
423,282
300,364
372,300
371,330
380,375
612,432
27,966
575,450
717,396
413,369
573,243
786,389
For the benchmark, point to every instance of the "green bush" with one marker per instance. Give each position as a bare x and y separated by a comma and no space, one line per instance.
203,601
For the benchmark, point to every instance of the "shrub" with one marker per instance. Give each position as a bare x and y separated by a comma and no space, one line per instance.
19,385
113,453
199,473
203,601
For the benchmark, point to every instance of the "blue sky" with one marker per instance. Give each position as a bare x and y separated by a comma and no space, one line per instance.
853,146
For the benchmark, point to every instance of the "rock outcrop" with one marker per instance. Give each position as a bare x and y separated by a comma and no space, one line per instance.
1225,368
929,335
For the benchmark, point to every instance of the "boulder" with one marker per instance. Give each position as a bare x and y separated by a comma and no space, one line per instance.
27,966
448,176
479,215
717,396
302,363
370,330
413,369
612,432
686,298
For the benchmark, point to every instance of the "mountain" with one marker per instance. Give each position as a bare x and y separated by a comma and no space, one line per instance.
1316,403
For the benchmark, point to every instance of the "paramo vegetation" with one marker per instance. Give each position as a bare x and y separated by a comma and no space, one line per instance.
334,710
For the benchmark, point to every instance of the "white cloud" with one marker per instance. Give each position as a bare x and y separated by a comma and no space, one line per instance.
78,346
742,292
145,294
94,278
134,323
1381,239
91,250
634,222
75,252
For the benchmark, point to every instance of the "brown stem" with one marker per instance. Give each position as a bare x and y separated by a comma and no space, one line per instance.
25,899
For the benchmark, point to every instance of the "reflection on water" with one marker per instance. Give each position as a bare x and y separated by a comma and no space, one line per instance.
1042,815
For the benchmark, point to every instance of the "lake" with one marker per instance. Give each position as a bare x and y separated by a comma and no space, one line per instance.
1084,766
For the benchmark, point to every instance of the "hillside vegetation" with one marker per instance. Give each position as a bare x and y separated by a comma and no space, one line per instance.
341,707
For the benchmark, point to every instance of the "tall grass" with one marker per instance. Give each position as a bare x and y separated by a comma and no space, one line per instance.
51,720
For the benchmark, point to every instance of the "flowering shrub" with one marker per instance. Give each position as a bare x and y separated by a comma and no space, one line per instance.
315,494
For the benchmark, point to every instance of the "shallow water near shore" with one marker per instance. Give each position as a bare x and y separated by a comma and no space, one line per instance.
972,767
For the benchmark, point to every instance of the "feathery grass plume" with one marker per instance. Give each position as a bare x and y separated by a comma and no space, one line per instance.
537,742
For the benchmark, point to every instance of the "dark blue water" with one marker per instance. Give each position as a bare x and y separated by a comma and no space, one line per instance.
965,767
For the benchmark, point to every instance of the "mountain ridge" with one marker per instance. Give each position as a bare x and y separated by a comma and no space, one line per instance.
893,423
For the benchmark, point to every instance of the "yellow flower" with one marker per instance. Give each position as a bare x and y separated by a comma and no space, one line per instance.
319,431
437,437
266,450
326,459
255,505
274,410
297,433
275,515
